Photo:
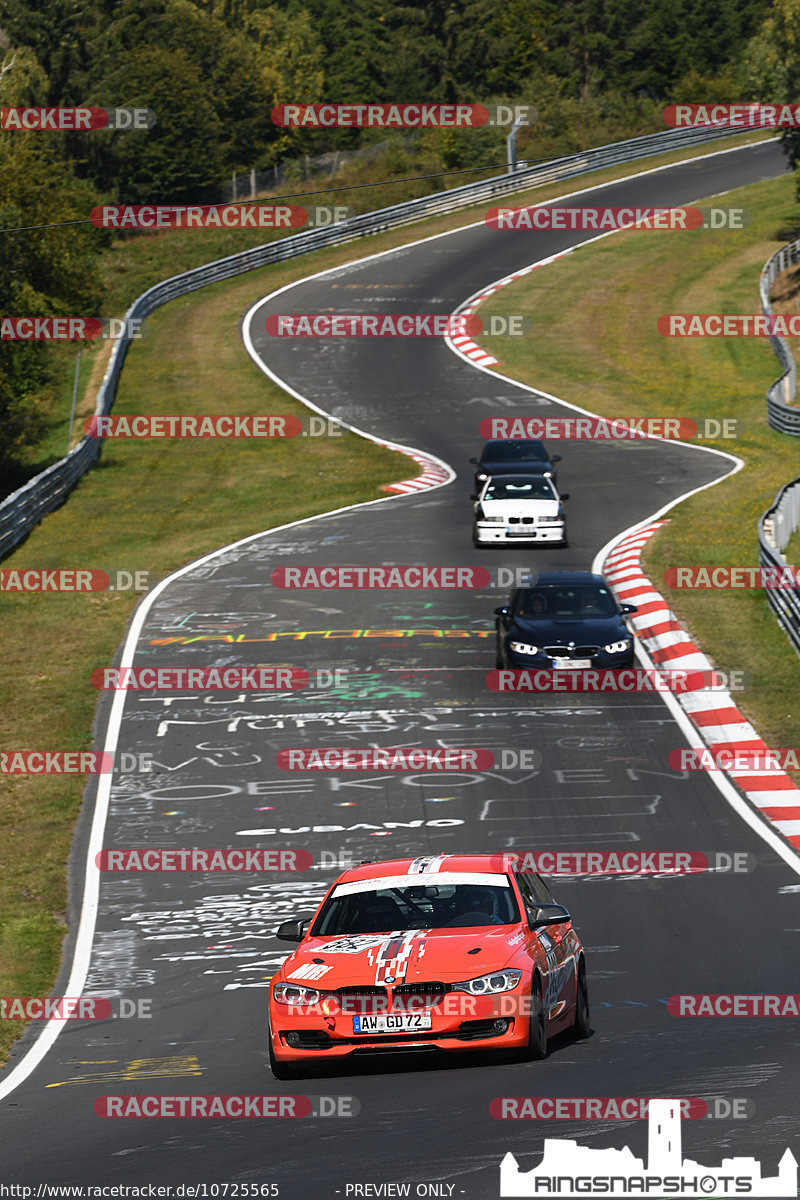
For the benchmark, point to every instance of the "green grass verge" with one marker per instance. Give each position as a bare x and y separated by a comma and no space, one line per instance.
593,341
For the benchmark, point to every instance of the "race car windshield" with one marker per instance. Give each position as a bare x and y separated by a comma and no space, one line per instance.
527,488
397,909
583,601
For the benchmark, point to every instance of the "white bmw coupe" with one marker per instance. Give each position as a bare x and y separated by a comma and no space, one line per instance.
519,508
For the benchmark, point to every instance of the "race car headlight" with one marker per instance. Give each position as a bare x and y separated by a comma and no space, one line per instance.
484,985
618,647
294,993
559,520
523,648
492,520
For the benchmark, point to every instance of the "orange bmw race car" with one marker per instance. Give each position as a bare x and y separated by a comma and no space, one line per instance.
453,952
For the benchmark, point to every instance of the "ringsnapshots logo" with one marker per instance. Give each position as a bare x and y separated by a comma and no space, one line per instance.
75,120
569,1170
401,115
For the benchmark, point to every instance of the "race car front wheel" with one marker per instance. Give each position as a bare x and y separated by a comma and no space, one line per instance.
536,1048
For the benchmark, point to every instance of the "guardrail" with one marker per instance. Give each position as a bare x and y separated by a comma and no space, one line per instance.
23,509
775,528
781,394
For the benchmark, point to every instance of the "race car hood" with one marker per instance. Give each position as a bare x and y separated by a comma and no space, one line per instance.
416,956
520,508
593,630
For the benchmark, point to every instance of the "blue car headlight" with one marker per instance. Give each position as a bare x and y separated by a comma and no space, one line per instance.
523,648
618,647
484,985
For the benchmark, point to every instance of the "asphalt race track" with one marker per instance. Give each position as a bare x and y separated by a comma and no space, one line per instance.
198,947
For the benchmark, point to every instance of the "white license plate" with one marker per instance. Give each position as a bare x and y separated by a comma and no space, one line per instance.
571,664
393,1023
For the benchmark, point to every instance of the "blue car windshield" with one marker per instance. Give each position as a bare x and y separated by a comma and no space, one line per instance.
514,451
580,601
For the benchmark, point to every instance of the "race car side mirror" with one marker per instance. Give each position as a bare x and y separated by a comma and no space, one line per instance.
292,931
505,611
547,914
628,608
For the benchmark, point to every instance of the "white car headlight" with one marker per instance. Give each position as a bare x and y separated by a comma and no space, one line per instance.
498,981
618,647
551,520
491,520
523,648
293,993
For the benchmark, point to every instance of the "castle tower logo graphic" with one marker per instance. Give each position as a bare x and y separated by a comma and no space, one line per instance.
568,1169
